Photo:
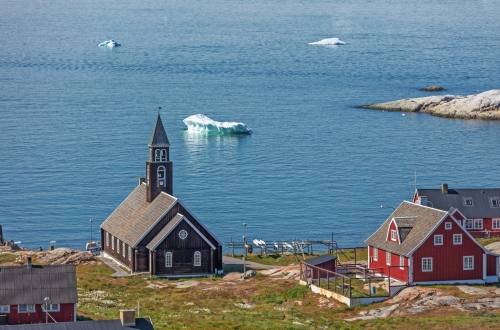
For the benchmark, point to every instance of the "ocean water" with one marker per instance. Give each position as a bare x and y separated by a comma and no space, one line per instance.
75,118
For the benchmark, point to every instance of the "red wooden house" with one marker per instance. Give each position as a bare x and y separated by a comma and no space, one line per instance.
480,207
38,294
422,245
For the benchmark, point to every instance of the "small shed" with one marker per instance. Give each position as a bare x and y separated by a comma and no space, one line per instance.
324,262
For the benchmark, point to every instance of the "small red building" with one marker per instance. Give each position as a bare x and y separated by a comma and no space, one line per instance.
423,245
480,207
321,263
38,294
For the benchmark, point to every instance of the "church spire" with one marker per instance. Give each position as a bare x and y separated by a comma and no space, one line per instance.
158,167
159,136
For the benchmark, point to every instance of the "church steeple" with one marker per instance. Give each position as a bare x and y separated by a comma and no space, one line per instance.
158,167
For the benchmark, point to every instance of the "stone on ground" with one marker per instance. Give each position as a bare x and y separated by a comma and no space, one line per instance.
472,290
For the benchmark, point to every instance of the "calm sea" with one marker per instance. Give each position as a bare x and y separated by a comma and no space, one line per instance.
75,118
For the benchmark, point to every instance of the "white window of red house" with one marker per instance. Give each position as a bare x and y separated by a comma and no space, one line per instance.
112,242
457,239
51,307
496,223
468,223
438,239
469,263
4,309
25,308
427,264
447,225
129,253
197,258
478,223
107,239
118,246
375,254
123,249
393,235
388,258
401,262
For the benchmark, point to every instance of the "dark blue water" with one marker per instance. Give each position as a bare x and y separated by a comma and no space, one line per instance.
75,119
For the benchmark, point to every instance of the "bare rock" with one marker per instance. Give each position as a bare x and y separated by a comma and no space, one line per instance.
485,105
413,293
432,89
472,290
437,301
476,306
79,257
377,313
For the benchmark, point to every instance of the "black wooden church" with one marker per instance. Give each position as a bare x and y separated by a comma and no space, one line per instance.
152,231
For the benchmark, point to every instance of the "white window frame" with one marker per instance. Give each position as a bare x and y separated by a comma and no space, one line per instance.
466,199
161,179
495,223
455,241
163,155
478,223
438,239
168,259
401,262
197,258
129,253
107,239
493,201
394,236
447,225
469,223
157,155
468,262
29,308
52,307
4,308
375,254
123,249
426,264
112,242
117,246
388,258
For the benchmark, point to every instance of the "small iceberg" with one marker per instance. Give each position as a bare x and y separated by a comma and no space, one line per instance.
202,124
328,42
109,43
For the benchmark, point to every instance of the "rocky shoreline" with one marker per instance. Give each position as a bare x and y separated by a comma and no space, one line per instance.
484,106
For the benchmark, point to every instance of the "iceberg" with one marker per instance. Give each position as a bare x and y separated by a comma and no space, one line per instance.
202,124
328,42
109,43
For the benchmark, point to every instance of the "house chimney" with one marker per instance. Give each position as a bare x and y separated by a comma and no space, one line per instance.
422,200
30,265
444,188
142,180
127,317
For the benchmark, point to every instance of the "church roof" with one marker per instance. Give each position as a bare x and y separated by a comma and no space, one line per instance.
159,135
134,217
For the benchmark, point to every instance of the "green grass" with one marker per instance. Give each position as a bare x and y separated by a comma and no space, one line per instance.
7,257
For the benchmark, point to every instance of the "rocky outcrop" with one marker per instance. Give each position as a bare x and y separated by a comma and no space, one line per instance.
55,257
493,247
432,89
480,106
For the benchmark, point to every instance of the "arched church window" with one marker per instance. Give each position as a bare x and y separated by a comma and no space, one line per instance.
161,176
157,155
197,258
168,259
163,155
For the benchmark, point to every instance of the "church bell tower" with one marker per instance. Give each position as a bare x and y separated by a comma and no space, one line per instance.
158,167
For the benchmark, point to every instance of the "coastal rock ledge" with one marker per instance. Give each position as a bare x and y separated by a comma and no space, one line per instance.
480,106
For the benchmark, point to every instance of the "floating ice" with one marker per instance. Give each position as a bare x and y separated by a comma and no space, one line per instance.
328,42
202,124
109,43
